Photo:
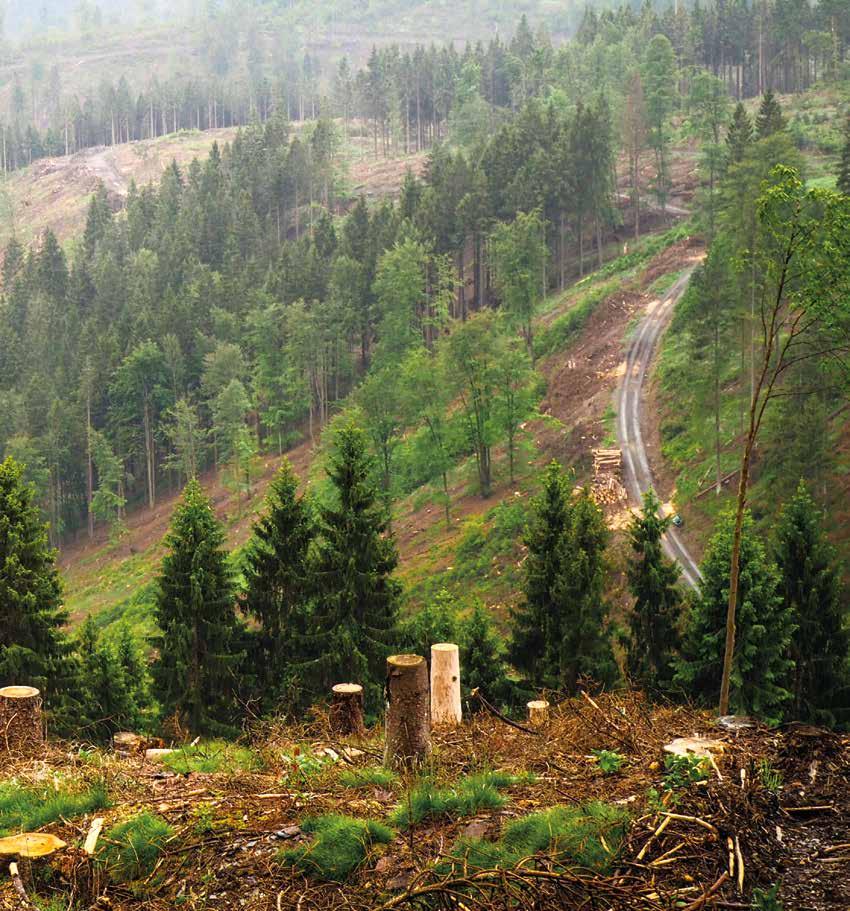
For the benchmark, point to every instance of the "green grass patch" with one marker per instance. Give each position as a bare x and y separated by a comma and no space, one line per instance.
589,837
24,809
563,330
470,795
340,846
132,848
213,756
370,776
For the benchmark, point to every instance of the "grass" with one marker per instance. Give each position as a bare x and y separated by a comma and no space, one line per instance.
133,847
588,836
370,776
340,846
213,756
565,328
27,809
472,794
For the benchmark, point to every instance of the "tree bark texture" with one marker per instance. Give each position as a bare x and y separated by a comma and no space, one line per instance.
408,723
21,725
346,713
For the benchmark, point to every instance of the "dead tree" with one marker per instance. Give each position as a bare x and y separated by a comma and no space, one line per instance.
346,712
408,725
21,725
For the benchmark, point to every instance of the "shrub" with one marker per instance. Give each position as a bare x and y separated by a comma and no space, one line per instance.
212,756
767,899
471,794
26,809
133,847
370,776
683,771
340,847
588,836
609,761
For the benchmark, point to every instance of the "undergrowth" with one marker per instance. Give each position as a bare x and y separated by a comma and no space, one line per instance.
25,809
340,846
373,776
133,847
588,836
214,756
470,795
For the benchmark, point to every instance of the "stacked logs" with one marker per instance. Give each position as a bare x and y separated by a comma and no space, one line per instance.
607,490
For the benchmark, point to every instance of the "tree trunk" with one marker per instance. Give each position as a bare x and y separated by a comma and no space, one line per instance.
21,726
408,724
445,685
346,712
538,712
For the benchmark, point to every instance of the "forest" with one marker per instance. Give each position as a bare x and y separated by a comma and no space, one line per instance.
375,383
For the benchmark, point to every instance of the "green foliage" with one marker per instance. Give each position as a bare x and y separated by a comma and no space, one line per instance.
683,771
609,761
341,846
197,649
560,633
843,179
132,848
437,621
769,119
27,809
811,589
767,899
483,657
212,756
33,650
588,836
770,777
471,794
653,580
761,669
368,776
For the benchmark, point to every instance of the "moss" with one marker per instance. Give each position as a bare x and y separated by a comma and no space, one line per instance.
27,809
212,756
588,836
132,848
339,848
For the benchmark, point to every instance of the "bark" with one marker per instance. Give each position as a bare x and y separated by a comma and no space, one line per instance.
346,712
408,724
445,685
21,725
538,712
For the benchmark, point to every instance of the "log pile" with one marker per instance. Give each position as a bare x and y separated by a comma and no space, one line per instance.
607,489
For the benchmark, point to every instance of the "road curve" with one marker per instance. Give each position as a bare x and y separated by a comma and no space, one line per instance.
638,474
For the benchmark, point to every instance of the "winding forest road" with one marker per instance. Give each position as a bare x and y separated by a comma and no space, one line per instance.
638,474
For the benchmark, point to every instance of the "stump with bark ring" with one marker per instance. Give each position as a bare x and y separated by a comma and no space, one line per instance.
346,711
21,726
408,727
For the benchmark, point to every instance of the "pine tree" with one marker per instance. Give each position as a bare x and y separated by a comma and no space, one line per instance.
811,590
106,693
276,583
33,649
769,119
843,182
739,136
653,581
550,518
761,670
483,657
437,621
194,673
356,597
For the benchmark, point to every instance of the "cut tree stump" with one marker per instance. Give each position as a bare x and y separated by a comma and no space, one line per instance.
126,743
445,685
21,725
408,725
346,712
538,712
31,844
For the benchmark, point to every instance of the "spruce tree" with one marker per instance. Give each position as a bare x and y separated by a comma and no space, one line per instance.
483,657
761,670
276,584
739,135
356,598
843,182
811,590
653,581
769,119
33,649
194,673
550,518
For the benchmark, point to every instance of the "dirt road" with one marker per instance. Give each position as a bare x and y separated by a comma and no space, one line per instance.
638,474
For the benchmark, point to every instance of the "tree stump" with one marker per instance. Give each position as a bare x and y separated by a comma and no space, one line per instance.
126,743
346,713
21,726
445,685
408,726
538,712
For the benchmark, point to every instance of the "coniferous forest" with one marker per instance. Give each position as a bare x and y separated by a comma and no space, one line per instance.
567,392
